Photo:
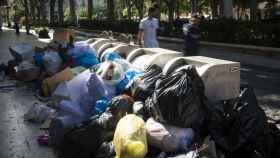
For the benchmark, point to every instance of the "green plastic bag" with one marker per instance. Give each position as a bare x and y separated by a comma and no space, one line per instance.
130,138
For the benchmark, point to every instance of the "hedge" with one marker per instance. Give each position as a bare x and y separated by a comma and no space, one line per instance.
261,33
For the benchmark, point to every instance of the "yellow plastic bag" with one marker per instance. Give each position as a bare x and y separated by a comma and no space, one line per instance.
130,139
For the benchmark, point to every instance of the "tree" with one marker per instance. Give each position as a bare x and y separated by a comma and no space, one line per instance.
32,7
241,7
171,9
214,8
253,9
52,8
194,4
26,8
43,10
110,9
72,6
129,7
140,7
60,12
90,7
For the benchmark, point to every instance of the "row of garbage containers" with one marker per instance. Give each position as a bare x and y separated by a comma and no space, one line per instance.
221,78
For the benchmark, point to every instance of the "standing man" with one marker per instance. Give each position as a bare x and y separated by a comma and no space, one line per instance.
148,26
16,20
192,36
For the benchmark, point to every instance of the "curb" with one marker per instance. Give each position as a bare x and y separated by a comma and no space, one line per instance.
263,51
270,52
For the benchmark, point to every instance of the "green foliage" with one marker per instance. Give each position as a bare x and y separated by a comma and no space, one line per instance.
83,12
222,30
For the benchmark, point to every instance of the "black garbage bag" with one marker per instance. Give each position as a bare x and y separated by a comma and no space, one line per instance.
144,87
119,107
179,100
239,127
106,150
275,132
86,140
82,142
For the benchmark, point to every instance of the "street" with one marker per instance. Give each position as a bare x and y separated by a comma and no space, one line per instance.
18,138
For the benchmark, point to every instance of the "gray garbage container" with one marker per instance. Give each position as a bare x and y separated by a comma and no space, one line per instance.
144,57
221,78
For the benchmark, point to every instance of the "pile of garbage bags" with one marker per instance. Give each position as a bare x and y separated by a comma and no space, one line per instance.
109,108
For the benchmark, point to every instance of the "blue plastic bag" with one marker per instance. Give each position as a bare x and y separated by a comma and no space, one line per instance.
83,55
111,56
86,60
101,106
39,59
124,84
72,109
79,49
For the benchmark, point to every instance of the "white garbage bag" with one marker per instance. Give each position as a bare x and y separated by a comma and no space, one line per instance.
22,51
169,138
52,62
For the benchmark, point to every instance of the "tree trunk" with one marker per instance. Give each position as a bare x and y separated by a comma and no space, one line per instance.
38,13
178,9
52,8
214,11
60,12
90,7
43,10
171,9
73,17
26,16
33,9
194,6
221,8
158,2
253,9
141,9
111,9
129,7
228,8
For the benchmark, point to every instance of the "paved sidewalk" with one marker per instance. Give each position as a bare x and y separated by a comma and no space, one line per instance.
9,38
18,138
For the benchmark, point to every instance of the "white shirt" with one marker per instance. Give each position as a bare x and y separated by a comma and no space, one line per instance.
149,26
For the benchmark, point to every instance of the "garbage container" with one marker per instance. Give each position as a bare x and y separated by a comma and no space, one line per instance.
107,47
122,49
96,43
221,78
144,57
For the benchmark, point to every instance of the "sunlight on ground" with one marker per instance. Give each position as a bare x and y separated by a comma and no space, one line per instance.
33,33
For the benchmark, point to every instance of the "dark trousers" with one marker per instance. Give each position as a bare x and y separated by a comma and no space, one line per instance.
17,28
190,46
190,50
